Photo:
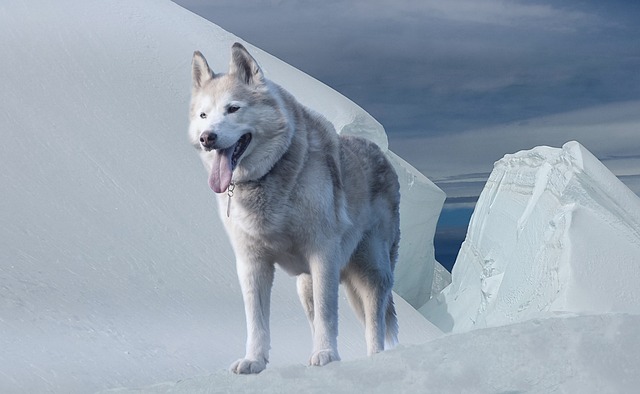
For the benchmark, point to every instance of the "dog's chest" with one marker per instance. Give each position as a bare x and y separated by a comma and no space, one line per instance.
262,217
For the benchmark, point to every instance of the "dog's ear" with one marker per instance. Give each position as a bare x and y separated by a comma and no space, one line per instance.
244,66
200,71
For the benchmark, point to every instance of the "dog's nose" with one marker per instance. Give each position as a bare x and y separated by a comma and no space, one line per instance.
208,139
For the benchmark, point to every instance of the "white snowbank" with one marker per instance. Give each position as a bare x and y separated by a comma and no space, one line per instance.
588,354
553,230
114,270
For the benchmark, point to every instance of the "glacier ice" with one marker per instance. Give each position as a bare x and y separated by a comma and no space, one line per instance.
553,231
114,270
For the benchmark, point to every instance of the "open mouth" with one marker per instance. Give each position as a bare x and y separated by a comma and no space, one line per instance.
224,162
239,148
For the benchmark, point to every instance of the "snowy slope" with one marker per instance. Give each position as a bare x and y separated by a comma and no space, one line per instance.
587,354
114,270
553,230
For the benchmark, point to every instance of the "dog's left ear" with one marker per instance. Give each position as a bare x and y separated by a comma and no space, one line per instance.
245,66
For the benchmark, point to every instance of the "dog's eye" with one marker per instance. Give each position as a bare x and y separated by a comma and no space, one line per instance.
203,115
232,108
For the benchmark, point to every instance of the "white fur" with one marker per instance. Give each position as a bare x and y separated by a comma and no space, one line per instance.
322,207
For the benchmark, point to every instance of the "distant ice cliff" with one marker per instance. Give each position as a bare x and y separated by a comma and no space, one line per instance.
553,231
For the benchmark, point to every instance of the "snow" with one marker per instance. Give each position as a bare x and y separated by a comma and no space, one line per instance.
585,354
553,231
114,268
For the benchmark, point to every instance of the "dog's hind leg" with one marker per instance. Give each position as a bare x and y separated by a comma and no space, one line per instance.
369,280
354,297
391,320
375,299
304,285
325,274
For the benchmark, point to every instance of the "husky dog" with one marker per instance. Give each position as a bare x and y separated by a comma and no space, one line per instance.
292,192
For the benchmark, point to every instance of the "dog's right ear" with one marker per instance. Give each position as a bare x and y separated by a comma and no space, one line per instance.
200,71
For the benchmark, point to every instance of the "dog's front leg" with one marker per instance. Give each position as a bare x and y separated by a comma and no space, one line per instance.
325,276
256,280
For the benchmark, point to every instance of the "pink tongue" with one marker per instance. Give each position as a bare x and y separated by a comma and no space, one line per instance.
221,170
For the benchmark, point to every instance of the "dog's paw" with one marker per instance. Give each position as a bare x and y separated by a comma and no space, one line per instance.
246,366
323,357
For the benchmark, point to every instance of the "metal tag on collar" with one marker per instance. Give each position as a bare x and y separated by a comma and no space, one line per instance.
230,194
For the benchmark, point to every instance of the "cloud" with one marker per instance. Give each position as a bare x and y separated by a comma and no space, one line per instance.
469,63
458,84
460,162
490,12
495,12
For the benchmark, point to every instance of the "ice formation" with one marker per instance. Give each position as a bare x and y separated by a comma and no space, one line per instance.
553,231
114,270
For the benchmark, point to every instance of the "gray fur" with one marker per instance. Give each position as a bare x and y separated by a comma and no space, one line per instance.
321,206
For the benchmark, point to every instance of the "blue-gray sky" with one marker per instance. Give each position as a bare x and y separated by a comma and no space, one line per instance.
457,84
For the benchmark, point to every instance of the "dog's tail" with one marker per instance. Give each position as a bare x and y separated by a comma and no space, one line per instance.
391,322
391,319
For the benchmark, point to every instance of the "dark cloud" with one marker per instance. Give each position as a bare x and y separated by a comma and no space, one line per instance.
436,69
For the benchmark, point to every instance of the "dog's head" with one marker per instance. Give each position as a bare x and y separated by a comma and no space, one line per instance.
236,120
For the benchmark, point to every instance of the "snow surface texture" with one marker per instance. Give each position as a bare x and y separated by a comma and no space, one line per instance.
553,230
114,269
553,223
586,354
